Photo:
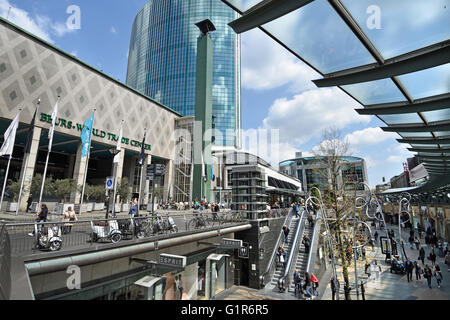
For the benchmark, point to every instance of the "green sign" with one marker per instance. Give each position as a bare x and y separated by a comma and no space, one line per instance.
63,123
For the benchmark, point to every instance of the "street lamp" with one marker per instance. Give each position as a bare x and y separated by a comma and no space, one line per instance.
113,152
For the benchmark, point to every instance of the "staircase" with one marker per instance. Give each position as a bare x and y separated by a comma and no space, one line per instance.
302,256
279,271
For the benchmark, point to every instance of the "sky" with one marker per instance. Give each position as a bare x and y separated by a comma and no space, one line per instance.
277,92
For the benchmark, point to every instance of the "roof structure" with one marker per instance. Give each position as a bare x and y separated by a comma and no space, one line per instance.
395,66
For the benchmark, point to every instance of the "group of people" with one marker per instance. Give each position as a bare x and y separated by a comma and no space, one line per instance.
307,284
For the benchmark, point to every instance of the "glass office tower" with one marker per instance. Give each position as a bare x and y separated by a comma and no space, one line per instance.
162,60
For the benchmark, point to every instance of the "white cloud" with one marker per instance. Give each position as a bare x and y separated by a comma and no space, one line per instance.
394,159
267,65
113,30
368,136
41,26
308,114
74,53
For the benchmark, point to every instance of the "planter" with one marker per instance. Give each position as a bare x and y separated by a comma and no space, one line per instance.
118,208
149,206
11,206
83,208
89,206
33,207
125,207
61,207
99,206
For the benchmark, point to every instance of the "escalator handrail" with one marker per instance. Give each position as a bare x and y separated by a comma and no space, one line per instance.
294,250
314,241
272,264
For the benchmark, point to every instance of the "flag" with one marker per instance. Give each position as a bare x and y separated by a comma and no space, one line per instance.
30,134
119,146
10,137
204,175
52,127
86,135
212,170
142,154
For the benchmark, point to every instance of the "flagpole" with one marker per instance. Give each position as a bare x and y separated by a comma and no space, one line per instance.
113,211
46,164
140,180
87,162
25,168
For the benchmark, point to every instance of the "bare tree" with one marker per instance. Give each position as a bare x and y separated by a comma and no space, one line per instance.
330,160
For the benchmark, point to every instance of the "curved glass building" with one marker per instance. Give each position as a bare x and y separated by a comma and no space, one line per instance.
162,60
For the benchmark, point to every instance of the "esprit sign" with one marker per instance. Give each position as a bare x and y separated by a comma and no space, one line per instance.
172,260
63,123
231,243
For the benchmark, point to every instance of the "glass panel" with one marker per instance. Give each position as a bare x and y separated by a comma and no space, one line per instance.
373,92
437,115
444,145
320,36
415,134
401,26
433,154
243,5
429,82
401,118
441,133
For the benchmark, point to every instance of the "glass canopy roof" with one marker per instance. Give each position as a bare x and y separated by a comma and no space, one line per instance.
393,57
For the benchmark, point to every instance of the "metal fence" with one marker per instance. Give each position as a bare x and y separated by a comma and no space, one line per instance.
24,237
5,264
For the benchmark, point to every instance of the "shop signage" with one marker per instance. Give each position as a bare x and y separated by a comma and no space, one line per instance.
63,123
231,243
172,260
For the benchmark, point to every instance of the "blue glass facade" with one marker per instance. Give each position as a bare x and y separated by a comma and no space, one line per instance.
162,59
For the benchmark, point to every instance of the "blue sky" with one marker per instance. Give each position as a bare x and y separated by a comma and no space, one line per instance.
277,92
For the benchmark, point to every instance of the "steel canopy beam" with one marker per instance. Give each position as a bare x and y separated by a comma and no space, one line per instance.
429,104
418,127
421,59
431,150
420,140
434,157
264,12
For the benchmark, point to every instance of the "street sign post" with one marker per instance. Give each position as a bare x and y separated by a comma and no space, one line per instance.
109,183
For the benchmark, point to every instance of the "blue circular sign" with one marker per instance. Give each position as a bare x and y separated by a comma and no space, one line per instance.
109,182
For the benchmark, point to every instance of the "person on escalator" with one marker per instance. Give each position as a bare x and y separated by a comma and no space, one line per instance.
306,242
286,232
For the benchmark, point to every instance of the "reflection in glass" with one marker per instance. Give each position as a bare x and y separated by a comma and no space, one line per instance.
429,82
415,134
373,92
320,36
401,26
437,115
401,118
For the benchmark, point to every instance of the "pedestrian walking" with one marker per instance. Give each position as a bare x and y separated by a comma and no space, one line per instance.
409,266
447,261
418,271
432,257
422,255
307,285
296,209
29,202
306,242
417,243
411,242
377,271
333,288
310,220
297,282
314,284
68,215
286,232
427,274
438,275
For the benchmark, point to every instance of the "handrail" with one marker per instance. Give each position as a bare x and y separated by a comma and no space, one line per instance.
272,263
294,249
314,241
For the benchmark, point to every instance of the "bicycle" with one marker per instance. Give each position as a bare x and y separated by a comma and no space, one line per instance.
199,221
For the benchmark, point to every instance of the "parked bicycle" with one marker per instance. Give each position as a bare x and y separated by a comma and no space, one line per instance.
199,221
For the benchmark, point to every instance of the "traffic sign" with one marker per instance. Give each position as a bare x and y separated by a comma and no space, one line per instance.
109,183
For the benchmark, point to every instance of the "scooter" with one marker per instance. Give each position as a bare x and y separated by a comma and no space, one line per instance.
108,230
172,227
49,238
158,225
